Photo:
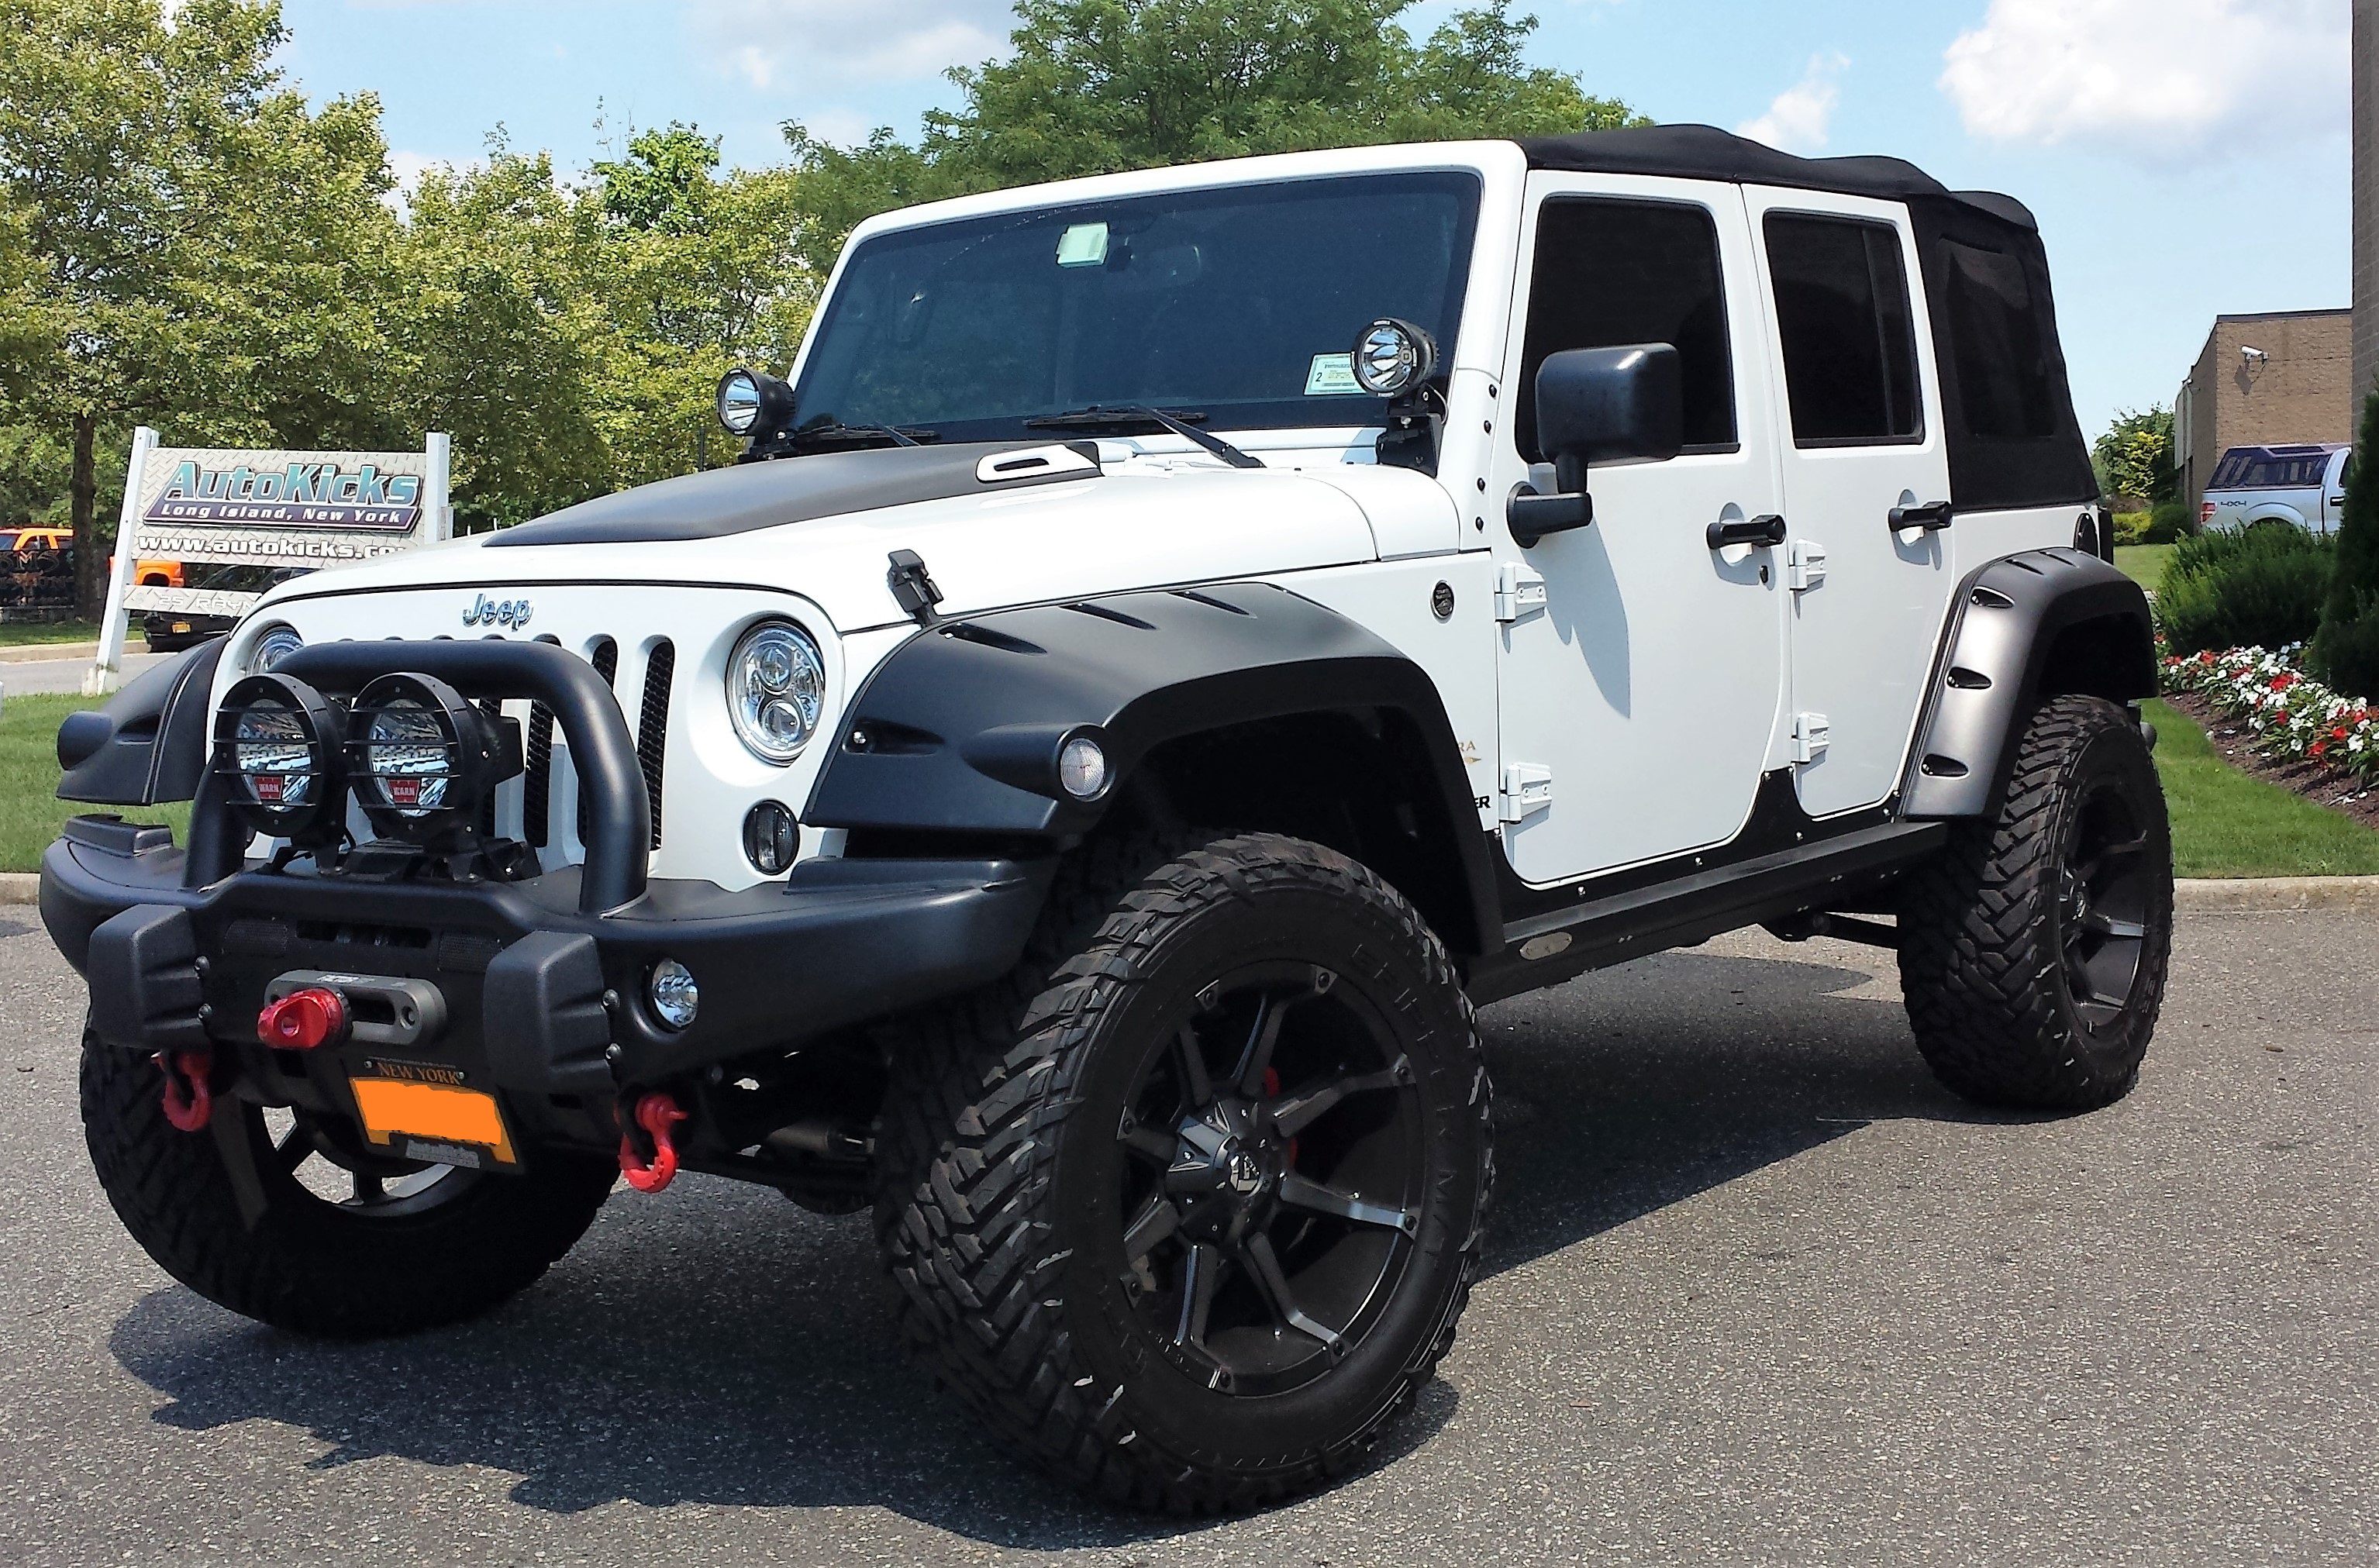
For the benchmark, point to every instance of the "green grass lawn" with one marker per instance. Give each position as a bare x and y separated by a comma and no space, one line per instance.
2144,564
2226,824
19,633
30,812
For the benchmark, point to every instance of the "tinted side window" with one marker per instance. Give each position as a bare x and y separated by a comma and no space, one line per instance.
2002,367
1848,341
1610,273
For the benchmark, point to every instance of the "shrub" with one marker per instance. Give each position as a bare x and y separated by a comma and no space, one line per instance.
2131,527
2346,650
2262,587
2169,523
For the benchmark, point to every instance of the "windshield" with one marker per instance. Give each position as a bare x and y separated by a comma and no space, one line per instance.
1240,303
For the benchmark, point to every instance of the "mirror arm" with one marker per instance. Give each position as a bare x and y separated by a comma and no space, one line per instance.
1531,516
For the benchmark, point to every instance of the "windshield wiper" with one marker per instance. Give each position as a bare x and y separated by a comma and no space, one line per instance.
836,434
1130,416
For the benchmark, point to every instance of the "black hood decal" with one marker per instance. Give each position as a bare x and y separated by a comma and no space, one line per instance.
789,490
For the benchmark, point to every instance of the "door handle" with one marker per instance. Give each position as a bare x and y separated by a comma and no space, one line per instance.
1767,530
1932,515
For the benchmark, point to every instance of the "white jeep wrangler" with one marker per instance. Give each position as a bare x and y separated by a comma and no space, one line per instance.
1180,642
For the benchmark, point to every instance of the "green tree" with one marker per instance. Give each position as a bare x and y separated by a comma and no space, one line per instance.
2134,457
2346,649
193,229
1096,86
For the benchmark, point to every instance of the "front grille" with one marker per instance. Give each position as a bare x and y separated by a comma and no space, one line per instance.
605,658
652,725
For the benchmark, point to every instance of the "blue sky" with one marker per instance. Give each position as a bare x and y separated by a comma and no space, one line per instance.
2186,157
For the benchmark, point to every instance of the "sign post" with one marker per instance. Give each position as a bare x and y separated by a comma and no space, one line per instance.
258,517
106,671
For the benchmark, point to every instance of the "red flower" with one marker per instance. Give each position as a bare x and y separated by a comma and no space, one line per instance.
2320,747
2337,732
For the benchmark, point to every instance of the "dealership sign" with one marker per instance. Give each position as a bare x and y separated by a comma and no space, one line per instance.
190,513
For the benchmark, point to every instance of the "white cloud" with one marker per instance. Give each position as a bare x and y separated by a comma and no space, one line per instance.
2162,81
1802,115
806,45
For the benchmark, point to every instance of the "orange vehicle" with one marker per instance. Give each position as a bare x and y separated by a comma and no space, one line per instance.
36,539
158,573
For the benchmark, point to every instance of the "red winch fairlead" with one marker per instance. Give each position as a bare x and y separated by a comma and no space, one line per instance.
654,1114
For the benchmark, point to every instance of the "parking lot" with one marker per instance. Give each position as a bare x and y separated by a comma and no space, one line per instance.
1759,1291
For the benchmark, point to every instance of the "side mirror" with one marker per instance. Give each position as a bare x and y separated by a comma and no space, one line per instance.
1598,405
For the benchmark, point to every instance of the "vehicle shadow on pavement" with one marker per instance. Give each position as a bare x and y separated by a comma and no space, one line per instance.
716,1345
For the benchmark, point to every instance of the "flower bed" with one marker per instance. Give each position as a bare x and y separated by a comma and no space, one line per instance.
2290,717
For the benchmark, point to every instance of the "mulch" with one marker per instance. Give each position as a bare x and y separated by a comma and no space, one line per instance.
2324,786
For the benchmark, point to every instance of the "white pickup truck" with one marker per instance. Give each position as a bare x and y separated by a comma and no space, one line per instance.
2303,485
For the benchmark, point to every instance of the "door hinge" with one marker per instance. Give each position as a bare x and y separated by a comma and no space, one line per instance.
1519,592
1806,568
1811,733
1527,789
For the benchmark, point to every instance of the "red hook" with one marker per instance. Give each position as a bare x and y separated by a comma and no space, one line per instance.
303,1020
654,1114
190,1109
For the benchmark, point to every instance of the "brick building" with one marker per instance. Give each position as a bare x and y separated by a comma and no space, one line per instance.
2277,379
2366,199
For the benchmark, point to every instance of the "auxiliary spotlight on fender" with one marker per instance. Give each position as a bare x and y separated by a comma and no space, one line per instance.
277,751
422,758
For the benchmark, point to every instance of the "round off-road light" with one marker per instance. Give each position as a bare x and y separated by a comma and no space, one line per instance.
1393,357
675,998
772,839
277,750
752,405
1081,767
775,689
421,757
271,646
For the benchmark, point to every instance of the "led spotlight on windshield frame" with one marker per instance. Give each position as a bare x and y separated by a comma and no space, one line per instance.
277,751
421,758
755,405
1393,357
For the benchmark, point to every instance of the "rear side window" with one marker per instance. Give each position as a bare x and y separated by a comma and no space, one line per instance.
1611,274
8,543
2253,469
2003,373
1849,339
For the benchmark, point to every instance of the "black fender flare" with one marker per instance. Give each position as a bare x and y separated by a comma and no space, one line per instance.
149,743
959,729
2033,624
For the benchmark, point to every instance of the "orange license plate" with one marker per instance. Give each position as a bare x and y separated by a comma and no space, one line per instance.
437,1122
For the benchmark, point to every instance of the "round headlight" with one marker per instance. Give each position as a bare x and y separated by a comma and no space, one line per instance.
776,690
276,643
1393,357
422,757
277,751
752,405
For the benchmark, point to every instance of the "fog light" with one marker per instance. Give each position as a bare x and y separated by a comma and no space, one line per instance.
771,837
675,998
1081,767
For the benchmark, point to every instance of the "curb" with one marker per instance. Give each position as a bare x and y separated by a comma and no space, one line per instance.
2265,895
51,653
2257,894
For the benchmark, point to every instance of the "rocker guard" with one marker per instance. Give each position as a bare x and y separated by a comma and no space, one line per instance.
524,974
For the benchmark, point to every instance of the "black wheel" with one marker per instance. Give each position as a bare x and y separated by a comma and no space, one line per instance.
2033,956
342,1242
1195,1229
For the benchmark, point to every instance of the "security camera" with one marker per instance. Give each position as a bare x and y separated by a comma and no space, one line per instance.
2253,355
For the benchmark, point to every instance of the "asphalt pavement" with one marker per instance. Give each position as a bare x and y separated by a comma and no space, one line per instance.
26,678
1759,1291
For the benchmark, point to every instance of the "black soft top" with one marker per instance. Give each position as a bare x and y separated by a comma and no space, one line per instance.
2013,438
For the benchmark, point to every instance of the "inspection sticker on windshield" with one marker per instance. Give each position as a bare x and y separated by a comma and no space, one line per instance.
1083,244
1332,374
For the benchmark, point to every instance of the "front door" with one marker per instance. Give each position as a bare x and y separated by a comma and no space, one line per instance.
1640,670
1862,446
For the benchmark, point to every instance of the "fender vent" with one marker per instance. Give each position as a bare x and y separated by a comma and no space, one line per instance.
652,725
1119,617
1967,679
1937,766
1991,598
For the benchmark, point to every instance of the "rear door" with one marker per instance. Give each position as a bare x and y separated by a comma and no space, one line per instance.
1863,450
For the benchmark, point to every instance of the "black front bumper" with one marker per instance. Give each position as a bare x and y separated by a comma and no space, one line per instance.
543,1003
